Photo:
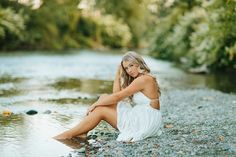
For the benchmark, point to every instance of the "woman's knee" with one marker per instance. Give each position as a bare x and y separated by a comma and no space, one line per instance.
103,95
103,111
99,111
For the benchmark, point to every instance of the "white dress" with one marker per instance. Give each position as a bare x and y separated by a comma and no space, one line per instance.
139,121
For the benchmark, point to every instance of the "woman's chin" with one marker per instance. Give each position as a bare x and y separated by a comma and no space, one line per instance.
134,76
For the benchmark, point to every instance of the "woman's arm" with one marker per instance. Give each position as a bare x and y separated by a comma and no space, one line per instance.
116,83
116,88
137,85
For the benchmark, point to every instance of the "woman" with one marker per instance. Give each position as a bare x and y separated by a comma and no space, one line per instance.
133,108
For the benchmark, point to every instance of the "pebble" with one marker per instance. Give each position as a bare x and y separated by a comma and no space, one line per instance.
7,113
168,126
81,150
193,128
221,138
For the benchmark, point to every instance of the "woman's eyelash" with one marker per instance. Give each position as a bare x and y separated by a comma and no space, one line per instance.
129,66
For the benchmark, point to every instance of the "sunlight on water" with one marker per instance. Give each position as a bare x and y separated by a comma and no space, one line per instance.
32,136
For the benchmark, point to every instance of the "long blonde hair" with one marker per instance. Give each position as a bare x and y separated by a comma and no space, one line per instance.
134,58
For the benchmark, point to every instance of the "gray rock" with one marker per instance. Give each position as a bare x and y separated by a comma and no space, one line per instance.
47,112
31,112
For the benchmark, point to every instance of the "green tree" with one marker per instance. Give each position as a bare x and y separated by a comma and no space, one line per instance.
133,12
200,34
52,25
12,24
214,40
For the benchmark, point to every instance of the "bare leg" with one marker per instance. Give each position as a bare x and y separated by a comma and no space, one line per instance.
107,113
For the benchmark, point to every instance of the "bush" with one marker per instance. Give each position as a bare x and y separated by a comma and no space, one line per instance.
203,35
12,25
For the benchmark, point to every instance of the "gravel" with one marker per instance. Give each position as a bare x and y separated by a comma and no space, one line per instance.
196,122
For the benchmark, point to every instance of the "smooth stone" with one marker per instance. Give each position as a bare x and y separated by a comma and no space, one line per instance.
47,112
81,150
31,112
7,113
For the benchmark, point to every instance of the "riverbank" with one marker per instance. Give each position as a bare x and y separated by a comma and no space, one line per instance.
199,122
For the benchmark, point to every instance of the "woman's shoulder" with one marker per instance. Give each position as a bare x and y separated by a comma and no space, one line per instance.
146,77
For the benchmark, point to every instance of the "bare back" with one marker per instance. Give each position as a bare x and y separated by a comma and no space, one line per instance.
151,91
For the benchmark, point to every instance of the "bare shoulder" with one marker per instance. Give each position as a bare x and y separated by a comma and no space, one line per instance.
144,79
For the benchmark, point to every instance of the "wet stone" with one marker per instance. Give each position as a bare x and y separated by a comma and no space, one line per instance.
47,112
81,150
31,112
92,136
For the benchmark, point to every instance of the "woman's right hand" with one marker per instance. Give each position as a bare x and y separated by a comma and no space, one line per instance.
102,96
90,109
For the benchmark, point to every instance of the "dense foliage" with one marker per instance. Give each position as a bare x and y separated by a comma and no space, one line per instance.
200,34
134,13
58,25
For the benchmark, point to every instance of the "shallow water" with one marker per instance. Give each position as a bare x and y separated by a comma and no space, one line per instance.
60,87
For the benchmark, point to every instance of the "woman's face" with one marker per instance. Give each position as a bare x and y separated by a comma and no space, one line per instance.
131,68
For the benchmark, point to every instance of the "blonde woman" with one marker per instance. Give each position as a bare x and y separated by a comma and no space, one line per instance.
133,108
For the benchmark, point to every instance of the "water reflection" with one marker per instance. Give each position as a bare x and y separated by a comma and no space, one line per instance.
224,83
29,136
8,85
91,86
9,79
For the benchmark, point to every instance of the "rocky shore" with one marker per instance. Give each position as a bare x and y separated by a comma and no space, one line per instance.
196,122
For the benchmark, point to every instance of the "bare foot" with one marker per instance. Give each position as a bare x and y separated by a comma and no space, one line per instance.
81,138
62,136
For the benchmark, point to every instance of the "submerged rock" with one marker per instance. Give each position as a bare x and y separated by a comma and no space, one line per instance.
31,112
47,112
7,113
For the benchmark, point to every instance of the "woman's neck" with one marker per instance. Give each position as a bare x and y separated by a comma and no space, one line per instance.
141,74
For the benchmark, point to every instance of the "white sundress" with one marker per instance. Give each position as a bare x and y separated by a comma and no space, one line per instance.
139,121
